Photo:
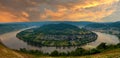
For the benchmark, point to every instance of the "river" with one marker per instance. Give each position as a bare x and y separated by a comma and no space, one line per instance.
10,41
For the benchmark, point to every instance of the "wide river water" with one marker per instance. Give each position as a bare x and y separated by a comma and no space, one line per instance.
10,40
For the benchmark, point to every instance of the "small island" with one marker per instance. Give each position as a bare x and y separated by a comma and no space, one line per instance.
57,35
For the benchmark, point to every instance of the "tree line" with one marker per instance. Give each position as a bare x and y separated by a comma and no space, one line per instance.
78,52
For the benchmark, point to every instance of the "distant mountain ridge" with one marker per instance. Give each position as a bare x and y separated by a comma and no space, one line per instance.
7,27
110,28
103,25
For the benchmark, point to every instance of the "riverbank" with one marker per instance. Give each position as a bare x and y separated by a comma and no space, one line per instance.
102,38
8,53
10,40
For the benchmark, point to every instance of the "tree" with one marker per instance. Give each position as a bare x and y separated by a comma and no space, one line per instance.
94,51
118,45
80,51
54,53
63,54
102,46
23,49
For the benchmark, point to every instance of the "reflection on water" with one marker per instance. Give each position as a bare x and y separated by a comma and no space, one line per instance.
102,37
10,40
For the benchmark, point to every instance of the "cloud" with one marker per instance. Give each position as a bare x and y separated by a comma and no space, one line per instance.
9,17
56,10
25,14
90,10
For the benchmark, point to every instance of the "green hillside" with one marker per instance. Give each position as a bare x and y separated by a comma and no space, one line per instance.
110,28
57,35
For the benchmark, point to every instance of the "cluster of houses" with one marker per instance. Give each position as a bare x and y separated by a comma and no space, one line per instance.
68,37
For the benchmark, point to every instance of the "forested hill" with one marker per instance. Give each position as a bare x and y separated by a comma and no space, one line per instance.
104,26
110,28
61,28
8,27
4,28
61,34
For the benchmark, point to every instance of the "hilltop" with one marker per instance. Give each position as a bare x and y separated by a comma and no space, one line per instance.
57,35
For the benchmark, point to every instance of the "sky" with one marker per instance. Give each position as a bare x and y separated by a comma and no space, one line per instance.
59,10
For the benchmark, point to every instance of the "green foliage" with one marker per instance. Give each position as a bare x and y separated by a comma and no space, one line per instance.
102,46
93,51
118,45
77,52
4,28
34,52
58,29
57,35
97,25
54,53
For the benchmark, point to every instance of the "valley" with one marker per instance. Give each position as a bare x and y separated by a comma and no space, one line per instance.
104,34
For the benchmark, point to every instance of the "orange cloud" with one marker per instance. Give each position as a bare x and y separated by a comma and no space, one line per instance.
56,10
9,17
25,14
89,10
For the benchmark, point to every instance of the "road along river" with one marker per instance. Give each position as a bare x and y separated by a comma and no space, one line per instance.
10,40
